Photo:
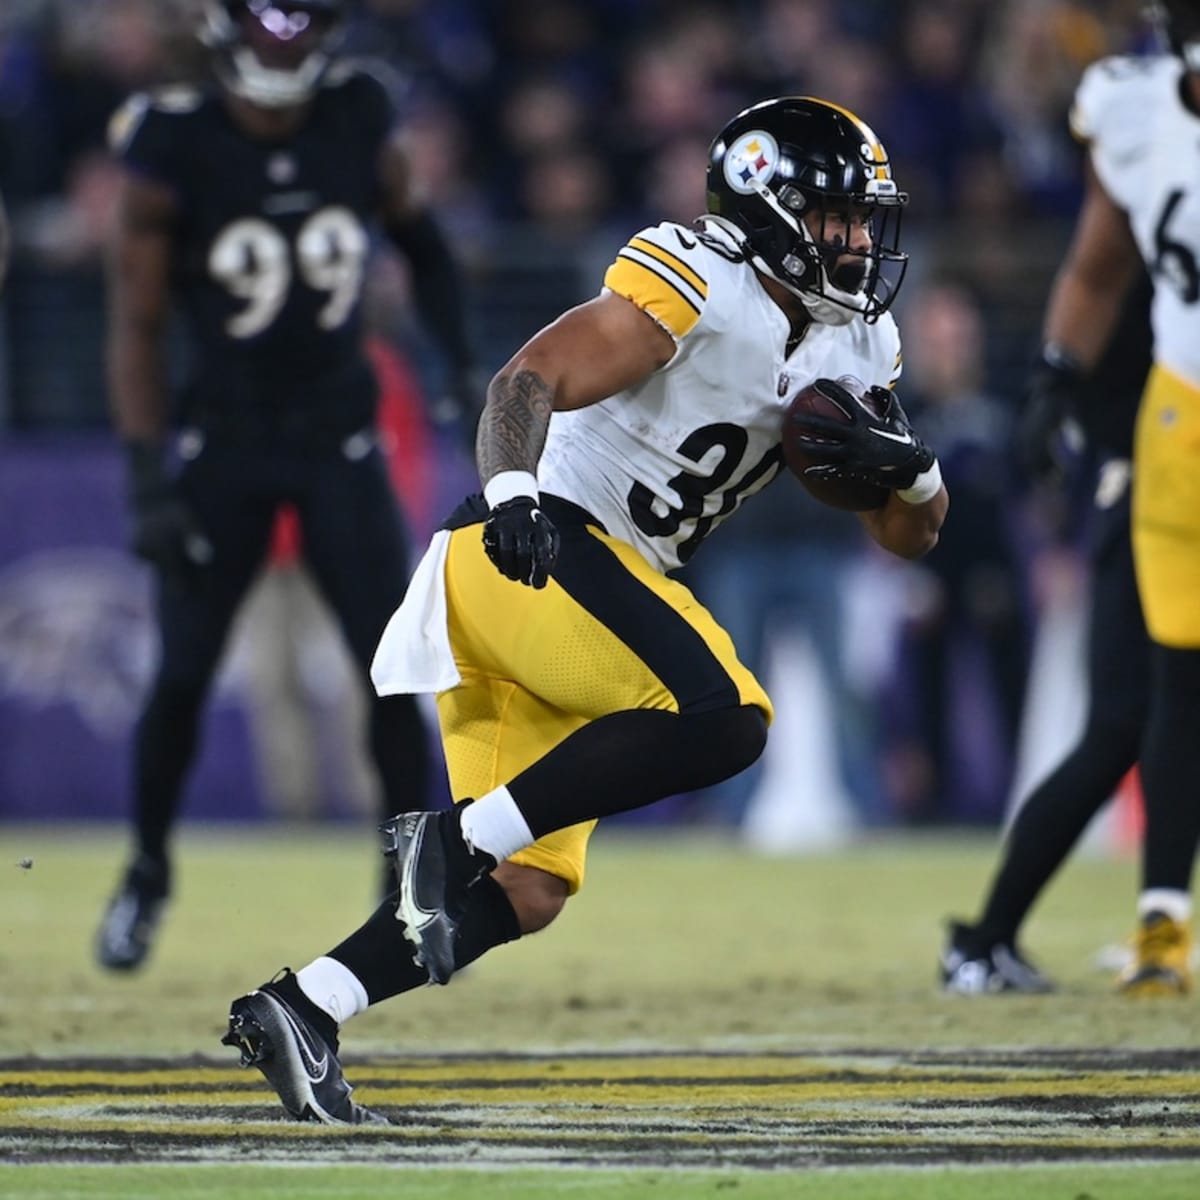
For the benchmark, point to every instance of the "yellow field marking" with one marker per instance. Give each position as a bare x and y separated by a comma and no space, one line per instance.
647,1110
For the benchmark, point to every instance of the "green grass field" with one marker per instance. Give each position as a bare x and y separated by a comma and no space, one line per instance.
699,1022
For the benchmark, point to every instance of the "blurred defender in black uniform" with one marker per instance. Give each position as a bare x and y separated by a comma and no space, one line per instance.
247,205
983,957
4,239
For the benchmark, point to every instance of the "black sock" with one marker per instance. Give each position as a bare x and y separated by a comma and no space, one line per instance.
1051,821
1170,768
464,860
150,876
287,988
630,759
164,746
381,957
490,921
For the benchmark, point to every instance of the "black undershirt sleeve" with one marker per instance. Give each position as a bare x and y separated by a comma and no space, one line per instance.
436,285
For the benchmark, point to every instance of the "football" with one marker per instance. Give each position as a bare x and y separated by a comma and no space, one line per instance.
847,494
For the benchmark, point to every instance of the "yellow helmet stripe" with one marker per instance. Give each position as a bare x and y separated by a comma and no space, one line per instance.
882,168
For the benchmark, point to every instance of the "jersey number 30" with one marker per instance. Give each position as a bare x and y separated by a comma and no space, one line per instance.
252,260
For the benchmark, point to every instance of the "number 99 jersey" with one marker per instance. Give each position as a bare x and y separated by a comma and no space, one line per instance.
662,464
269,244
1145,148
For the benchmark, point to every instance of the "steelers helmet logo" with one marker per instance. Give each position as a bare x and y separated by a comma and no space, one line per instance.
752,159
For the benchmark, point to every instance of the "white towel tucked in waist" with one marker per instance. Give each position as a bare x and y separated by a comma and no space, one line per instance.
414,653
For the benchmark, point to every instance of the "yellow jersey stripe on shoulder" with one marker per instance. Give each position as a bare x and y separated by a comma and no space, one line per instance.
653,292
688,290
673,261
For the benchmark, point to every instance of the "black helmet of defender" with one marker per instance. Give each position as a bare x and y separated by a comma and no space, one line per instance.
273,53
786,158
1178,23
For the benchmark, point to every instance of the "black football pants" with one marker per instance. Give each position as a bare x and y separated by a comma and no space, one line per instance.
354,544
1118,666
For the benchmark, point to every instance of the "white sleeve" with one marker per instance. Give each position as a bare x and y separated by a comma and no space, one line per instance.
665,271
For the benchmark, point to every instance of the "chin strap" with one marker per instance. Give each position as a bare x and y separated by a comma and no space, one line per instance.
824,309
835,307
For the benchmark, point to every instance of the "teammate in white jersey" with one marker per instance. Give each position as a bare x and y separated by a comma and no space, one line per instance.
575,678
1141,120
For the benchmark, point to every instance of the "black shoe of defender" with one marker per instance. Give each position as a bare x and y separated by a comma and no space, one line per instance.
434,869
131,919
968,968
295,1060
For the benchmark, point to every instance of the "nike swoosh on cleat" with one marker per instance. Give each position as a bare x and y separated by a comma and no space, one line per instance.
905,439
415,916
315,1068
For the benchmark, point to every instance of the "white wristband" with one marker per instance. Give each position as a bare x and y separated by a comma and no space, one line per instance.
508,485
924,487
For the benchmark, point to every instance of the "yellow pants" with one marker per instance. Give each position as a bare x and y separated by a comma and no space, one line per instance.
609,633
1166,509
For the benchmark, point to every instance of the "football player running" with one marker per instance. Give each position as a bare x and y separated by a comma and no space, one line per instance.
575,678
248,206
1141,119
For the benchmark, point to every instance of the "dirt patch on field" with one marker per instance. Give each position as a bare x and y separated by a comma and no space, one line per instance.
623,1110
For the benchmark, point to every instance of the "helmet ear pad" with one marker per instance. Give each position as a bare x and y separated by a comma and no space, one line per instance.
806,260
796,258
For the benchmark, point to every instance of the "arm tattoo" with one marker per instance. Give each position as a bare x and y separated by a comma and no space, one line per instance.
512,430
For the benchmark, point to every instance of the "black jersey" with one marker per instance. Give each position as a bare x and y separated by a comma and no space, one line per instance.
269,248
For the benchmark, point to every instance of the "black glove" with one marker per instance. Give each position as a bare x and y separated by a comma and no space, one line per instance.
875,444
1049,435
522,541
165,533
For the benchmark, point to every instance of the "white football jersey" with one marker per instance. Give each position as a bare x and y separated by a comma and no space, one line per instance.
664,463
1145,147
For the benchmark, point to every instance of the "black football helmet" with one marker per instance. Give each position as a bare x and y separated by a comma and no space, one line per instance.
1178,23
782,159
273,53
